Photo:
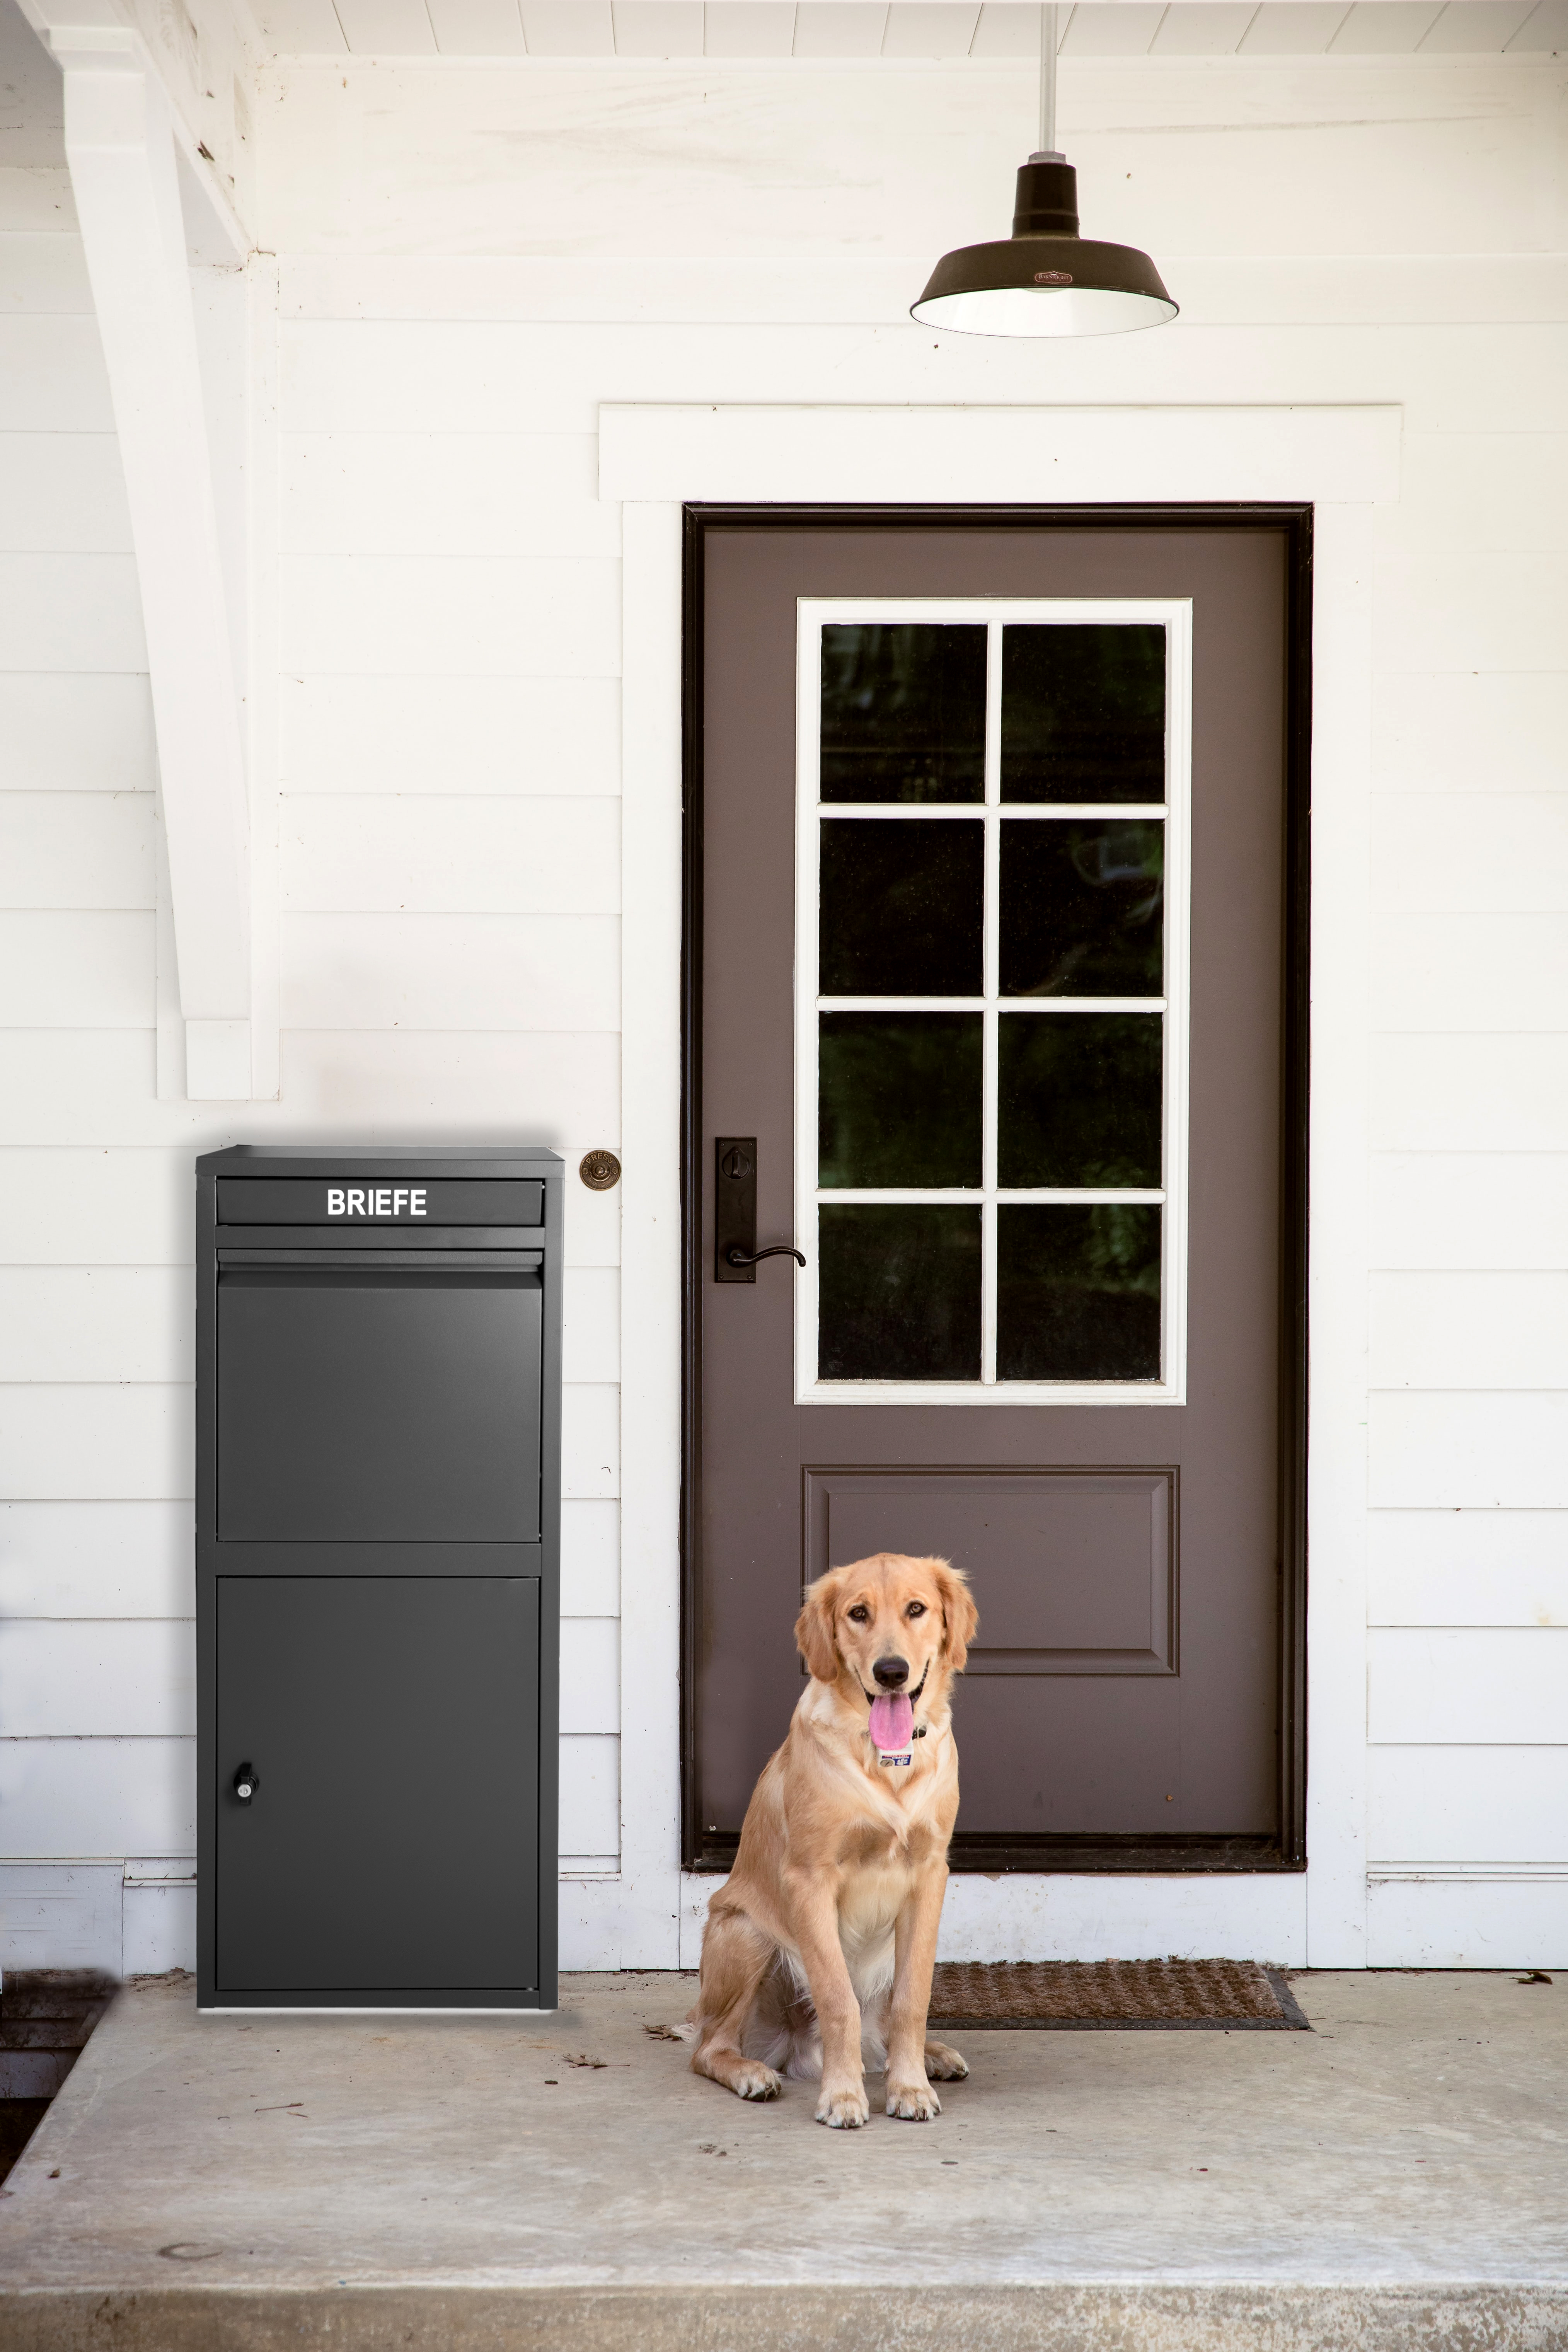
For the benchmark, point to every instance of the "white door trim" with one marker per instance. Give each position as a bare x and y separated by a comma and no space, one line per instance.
1345,460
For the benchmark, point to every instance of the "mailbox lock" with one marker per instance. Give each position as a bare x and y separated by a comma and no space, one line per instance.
246,1783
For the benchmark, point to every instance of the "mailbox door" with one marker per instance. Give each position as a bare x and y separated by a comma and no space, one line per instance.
393,1398
391,1723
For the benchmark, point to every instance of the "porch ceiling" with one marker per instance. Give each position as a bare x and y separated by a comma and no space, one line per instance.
904,30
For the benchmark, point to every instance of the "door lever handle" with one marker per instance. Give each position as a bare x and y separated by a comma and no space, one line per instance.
780,1249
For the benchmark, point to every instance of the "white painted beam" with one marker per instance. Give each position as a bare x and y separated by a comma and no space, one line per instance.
120,143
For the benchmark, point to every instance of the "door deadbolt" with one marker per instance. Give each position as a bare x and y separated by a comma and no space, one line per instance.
246,1783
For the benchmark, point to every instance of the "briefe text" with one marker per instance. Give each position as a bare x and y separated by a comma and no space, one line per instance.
385,1201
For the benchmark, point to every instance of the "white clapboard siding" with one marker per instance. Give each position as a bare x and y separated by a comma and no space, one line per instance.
128,1677
70,1441
592,1219
590,1675
1467,1210
1465,1450
1441,609
52,380
509,494
593,1324
75,849
100,1207
448,971
1490,1092
96,1088
87,1797
450,616
158,1928
41,269
1491,493
76,733
382,375
1490,1687
1447,1923
1453,972
70,613
97,1560
480,856
590,1799
451,1086
1469,1330
60,491
1443,1802
383,735
1472,852
590,1559
1471,734
60,969
1467,1568
70,1323
590,1440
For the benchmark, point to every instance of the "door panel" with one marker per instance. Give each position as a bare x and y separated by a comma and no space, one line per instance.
390,1845
379,1402
945,860
1074,1573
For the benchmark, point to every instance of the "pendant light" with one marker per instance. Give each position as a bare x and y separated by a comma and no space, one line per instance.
1045,280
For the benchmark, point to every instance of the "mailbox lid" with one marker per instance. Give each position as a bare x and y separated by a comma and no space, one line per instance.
346,1202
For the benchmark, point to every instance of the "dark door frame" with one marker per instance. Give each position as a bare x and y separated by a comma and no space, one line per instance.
1153,1855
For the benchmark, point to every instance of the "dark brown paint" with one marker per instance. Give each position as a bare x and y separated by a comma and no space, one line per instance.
1148,1717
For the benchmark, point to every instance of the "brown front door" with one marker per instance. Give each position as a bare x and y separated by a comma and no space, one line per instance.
994,1013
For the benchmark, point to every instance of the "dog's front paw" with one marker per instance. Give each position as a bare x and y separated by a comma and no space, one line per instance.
913,2103
944,2064
753,2080
843,2109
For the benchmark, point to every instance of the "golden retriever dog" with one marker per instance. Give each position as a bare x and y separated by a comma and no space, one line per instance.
818,1955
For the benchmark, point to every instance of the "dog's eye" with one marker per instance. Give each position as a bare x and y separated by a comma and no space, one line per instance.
916,1609
859,1615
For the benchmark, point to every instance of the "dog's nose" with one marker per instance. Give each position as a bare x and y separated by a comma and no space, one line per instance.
892,1674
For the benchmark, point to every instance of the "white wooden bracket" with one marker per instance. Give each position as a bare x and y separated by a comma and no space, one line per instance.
120,136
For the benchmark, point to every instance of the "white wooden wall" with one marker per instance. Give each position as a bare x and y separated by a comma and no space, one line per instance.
471,260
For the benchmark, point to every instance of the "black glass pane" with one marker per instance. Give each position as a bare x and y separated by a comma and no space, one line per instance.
1083,713
900,1294
1078,1099
901,907
1077,1293
900,1096
903,711
1083,907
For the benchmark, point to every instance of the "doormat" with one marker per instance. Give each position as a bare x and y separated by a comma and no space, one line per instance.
1114,1996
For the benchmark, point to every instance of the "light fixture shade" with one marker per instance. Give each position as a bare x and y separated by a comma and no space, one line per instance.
1045,280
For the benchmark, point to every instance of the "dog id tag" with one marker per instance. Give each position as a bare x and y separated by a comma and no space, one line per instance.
894,1759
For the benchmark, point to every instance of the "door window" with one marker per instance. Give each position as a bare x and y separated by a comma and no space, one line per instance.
991,1025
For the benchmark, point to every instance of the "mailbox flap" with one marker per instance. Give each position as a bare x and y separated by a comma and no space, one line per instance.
342,1201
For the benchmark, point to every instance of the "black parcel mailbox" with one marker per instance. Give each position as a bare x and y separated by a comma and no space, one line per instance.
378,1524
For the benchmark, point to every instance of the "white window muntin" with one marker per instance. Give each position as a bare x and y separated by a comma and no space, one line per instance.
1175,614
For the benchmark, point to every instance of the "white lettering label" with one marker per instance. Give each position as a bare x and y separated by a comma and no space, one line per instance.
398,1198
384,1202
334,1202
417,1204
356,1204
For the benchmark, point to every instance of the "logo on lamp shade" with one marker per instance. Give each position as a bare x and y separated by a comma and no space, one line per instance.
1053,277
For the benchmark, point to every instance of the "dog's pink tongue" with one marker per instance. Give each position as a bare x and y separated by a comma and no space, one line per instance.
892,1720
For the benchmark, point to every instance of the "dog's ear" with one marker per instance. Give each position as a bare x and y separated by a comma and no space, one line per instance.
959,1612
814,1628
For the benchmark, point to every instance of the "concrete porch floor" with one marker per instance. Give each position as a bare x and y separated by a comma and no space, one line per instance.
1398,2178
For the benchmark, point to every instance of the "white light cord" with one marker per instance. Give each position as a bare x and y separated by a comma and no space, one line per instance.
1046,151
